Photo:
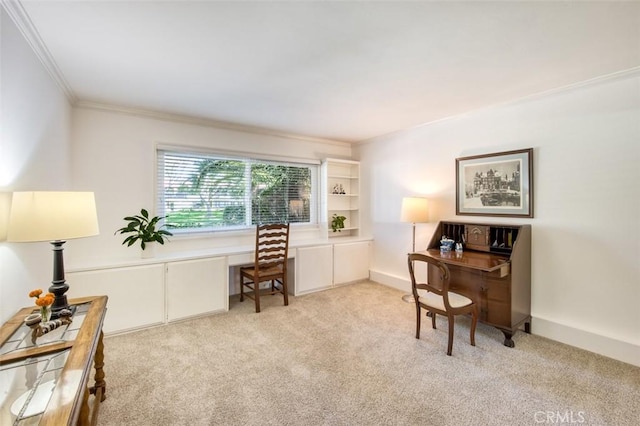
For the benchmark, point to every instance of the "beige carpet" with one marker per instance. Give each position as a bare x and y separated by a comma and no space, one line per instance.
348,356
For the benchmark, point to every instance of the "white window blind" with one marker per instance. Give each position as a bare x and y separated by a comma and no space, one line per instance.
200,192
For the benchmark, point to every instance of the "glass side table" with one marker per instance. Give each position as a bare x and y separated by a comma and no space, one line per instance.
45,382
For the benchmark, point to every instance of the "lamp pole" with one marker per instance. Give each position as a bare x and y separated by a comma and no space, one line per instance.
58,286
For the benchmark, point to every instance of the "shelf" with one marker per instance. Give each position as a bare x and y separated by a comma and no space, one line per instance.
343,177
342,188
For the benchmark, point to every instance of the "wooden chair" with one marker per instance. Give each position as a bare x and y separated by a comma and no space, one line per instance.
439,300
270,264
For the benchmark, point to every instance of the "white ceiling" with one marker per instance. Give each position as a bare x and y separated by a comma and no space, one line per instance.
345,71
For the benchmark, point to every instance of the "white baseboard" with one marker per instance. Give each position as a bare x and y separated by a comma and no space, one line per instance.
400,283
592,342
597,343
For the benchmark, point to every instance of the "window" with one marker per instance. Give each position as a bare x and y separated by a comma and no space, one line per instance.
205,192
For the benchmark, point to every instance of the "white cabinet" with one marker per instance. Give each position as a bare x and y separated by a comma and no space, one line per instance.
350,262
196,287
136,294
322,267
343,195
314,269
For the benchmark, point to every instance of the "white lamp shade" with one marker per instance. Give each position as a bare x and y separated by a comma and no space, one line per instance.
52,216
414,210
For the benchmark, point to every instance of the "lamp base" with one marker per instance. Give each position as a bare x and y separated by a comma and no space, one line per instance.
58,286
408,298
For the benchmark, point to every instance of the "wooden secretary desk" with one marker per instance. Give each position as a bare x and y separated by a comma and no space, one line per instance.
494,270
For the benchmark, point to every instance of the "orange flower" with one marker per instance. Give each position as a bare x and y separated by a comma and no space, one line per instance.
45,300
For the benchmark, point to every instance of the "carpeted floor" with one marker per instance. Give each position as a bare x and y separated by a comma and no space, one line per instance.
348,356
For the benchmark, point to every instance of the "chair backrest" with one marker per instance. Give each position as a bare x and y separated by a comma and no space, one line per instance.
272,246
441,268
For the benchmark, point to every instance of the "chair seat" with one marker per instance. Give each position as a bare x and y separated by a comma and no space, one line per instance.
265,273
431,299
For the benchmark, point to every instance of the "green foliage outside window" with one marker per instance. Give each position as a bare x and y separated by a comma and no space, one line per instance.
203,192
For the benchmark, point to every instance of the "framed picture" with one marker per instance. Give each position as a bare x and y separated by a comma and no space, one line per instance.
499,184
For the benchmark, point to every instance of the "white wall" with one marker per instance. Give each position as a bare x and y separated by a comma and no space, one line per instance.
114,156
586,229
34,155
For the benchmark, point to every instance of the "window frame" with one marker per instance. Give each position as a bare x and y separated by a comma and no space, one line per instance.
314,198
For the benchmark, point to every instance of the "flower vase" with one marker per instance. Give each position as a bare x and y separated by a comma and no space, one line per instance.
45,313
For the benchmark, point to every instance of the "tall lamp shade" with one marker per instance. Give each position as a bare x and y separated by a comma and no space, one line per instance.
55,217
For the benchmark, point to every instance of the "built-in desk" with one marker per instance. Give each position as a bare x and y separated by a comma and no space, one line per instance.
494,270
172,284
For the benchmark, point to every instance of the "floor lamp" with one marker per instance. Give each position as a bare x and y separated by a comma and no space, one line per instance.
54,217
414,210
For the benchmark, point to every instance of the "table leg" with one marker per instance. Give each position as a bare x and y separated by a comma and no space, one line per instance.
99,364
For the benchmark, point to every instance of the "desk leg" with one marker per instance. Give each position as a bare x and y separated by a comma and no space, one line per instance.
99,364
508,341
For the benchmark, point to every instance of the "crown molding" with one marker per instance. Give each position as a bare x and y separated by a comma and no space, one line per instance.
618,75
207,122
21,19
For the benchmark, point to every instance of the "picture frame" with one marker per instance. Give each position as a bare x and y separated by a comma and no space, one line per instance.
497,184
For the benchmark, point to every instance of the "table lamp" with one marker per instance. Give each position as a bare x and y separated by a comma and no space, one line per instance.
54,217
414,210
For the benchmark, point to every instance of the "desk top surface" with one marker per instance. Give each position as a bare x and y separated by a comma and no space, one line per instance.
470,259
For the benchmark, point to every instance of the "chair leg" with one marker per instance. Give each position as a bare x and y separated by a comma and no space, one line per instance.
285,291
418,321
256,294
474,321
450,344
433,319
242,289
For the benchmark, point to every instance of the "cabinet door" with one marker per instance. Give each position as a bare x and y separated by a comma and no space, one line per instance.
196,287
350,262
136,294
314,269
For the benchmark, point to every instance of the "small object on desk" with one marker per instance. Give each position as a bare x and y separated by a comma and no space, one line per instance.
458,247
446,244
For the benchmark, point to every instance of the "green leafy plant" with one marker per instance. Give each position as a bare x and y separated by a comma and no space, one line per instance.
143,228
337,222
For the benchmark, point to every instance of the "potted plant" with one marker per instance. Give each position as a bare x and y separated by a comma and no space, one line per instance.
337,222
145,229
